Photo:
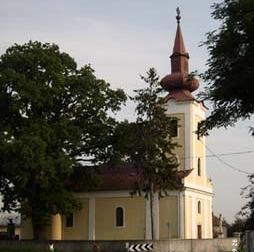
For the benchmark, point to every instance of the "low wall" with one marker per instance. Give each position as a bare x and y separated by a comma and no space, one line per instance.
205,245
68,246
208,245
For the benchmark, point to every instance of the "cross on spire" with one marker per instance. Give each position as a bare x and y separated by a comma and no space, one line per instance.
178,17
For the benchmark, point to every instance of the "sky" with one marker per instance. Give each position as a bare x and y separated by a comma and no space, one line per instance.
122,40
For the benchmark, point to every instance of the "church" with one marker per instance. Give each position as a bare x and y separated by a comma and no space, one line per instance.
110,213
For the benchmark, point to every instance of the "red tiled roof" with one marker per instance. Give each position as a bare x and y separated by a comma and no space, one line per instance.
126,177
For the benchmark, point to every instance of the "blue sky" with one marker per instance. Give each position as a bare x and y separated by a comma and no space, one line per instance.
121,40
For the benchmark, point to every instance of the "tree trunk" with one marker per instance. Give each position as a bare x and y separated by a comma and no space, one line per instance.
152,212
39,231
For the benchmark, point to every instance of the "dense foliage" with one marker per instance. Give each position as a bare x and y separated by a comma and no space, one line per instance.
247,211
147,142
230,71
53,118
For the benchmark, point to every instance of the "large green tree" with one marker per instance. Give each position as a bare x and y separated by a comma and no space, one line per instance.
230,71
54,118
229,78
147,142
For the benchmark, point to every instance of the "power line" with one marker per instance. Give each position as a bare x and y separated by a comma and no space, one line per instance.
220,154
224,162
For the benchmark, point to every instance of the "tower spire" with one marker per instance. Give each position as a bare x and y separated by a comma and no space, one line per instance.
179,81
179,57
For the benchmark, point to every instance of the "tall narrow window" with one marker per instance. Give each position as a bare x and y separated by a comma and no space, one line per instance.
174,128
199,167
119,217
198,135
69,220
199,227
199,207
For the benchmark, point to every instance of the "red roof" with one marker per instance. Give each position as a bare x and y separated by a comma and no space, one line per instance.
126,177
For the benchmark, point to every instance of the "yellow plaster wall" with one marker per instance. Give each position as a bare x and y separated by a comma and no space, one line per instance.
188,217
200,217
26,230
200,152
168,215
79,231
180,138
209,221
56,227
205,218
134,218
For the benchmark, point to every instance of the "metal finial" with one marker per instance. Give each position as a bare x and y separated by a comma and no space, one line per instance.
178,17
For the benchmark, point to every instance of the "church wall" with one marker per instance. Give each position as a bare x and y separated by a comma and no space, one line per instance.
168,217
200,216
79,231
56,227
180,138
26,229
200,186
209,220
188,217
200,154
134,218
195,218
196,149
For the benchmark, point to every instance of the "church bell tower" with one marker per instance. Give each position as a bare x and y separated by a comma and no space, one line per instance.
195,211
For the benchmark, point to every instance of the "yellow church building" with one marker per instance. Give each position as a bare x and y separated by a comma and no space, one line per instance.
110,213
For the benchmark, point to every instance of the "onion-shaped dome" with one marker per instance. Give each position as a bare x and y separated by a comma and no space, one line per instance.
179,81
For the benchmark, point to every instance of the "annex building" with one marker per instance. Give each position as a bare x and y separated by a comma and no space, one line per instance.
110,213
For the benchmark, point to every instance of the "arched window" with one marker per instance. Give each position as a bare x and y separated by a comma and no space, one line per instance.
199,167
119,217
199,207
